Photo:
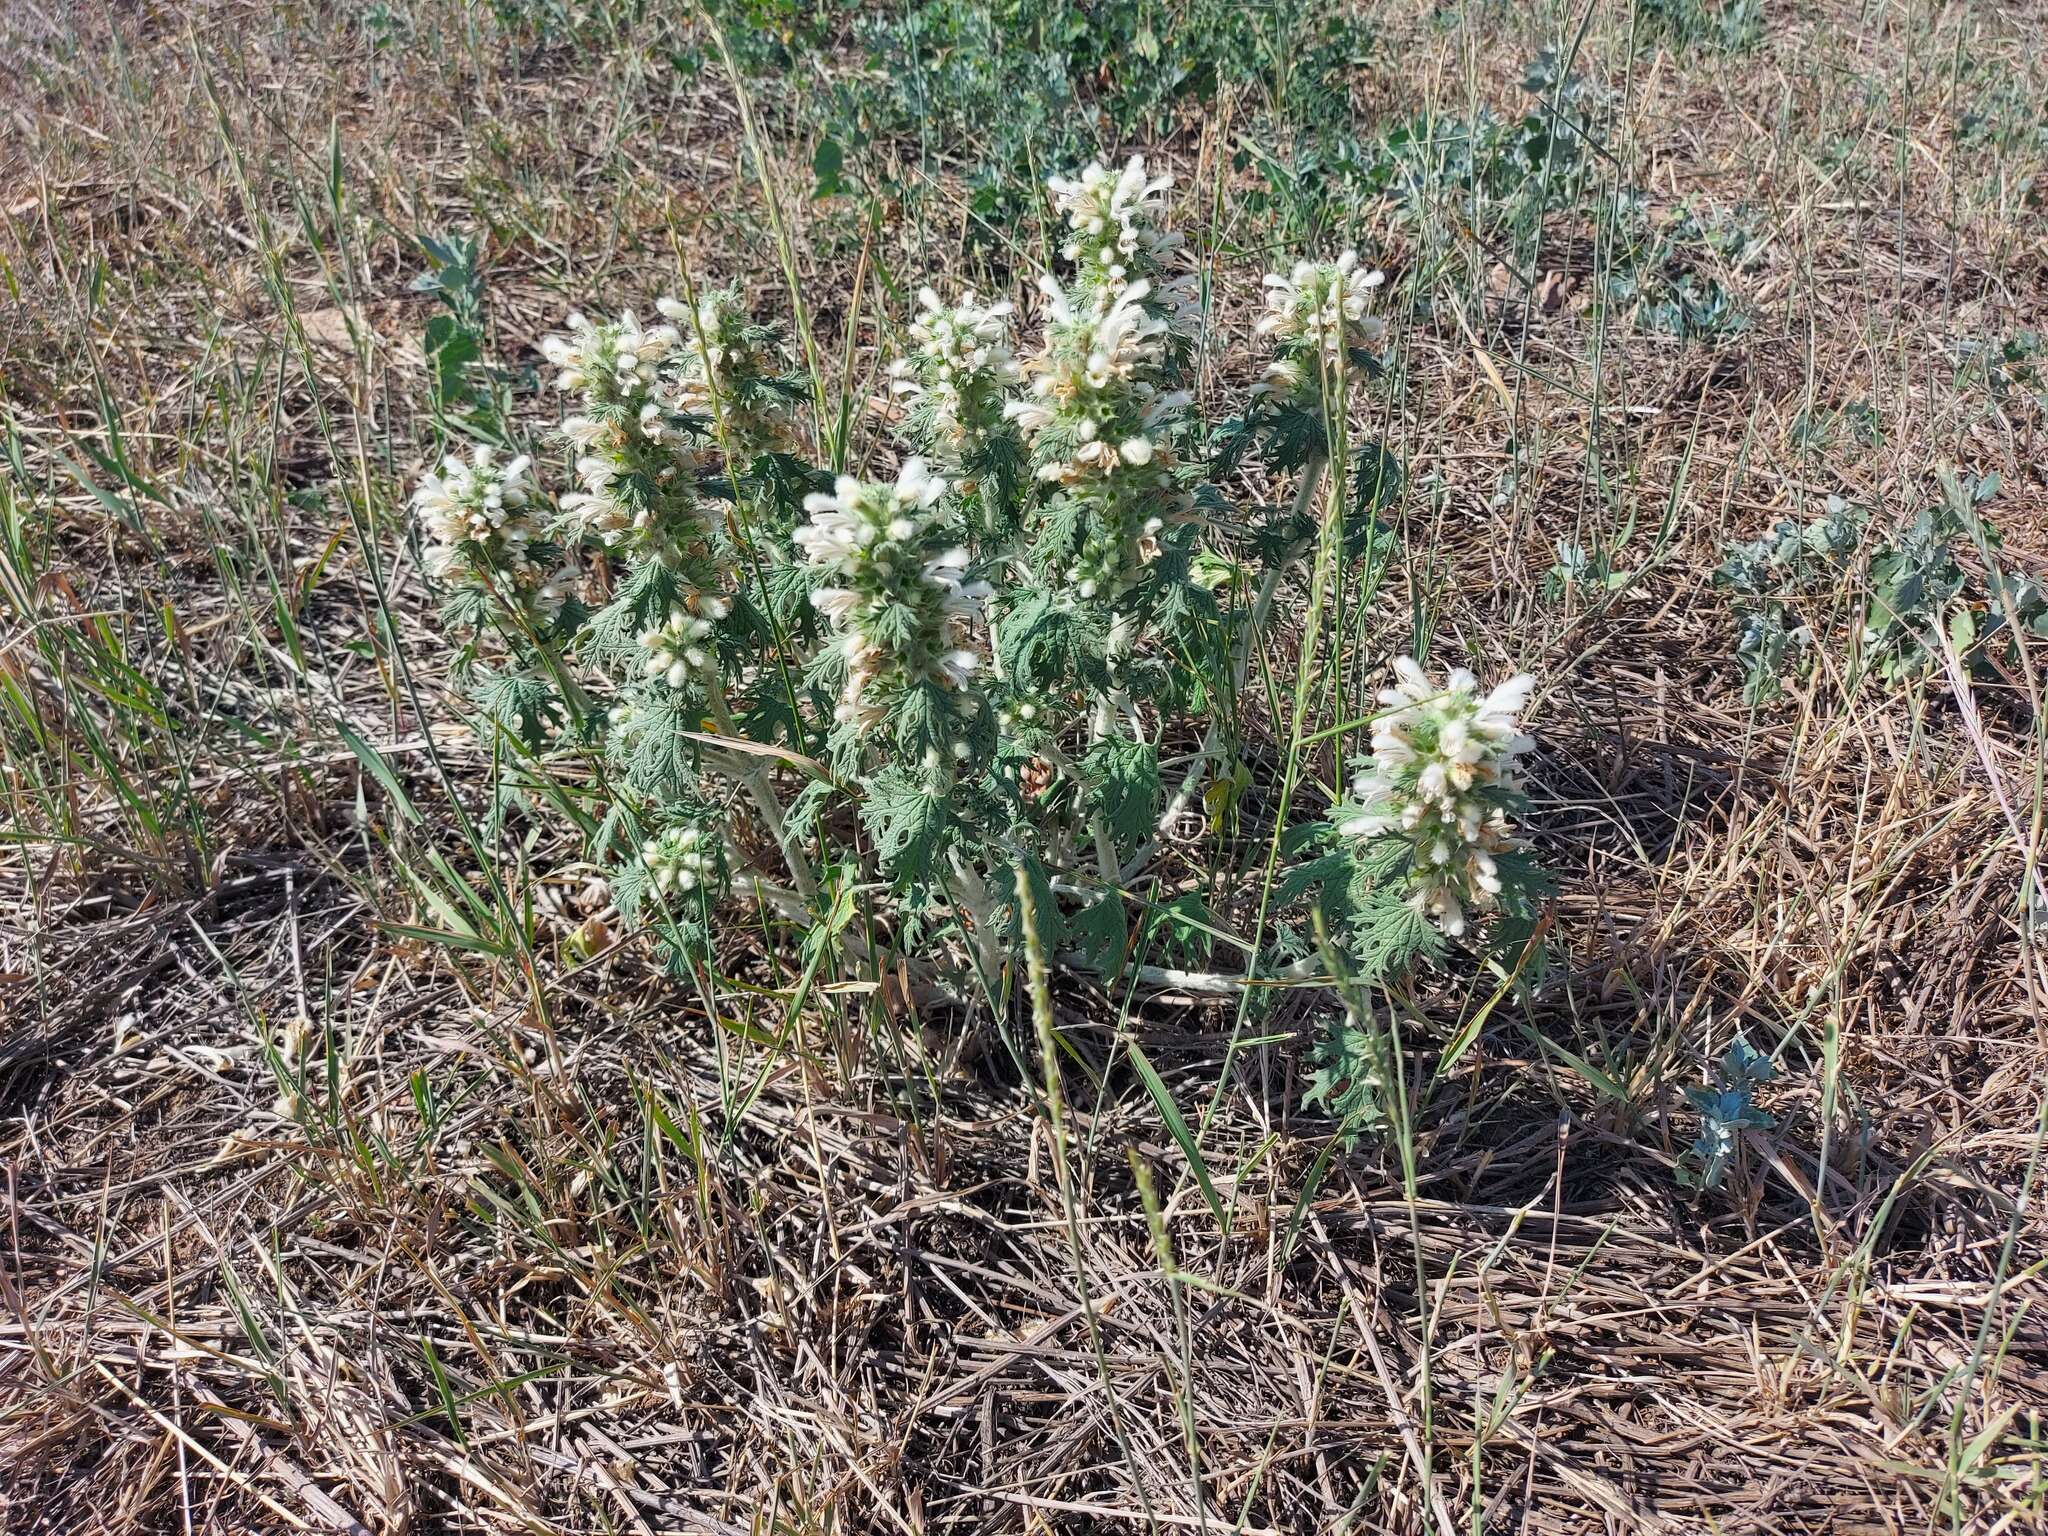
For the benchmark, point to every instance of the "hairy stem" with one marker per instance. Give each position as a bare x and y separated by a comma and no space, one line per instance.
1100,728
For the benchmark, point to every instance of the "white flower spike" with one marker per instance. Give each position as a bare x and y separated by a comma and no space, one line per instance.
1444,766
477,520
1317,315
900,598
961,371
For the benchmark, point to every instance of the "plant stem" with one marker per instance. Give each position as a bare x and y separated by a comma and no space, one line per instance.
1255,625
1206,983
1100,728
754,779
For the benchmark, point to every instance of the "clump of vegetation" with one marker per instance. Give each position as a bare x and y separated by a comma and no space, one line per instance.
1922,597
1664,270
960,652
1731,25
1728,1110
652,927
1921,594
1771,580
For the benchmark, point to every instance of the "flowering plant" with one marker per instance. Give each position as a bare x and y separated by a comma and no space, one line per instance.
904,611
1317,314
955,388
916,684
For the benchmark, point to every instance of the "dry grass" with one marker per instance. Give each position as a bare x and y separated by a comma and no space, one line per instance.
314,1226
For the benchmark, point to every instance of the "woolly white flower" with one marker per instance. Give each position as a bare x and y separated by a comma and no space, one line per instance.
965,338
1444,762
573,357
598,510
680,648
901,600
1112,217
683,860
544,592
477,518
1097,380
960,603
589,434
1317,314
961,368
611,364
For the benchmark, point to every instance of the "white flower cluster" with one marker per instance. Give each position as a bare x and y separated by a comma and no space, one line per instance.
1443,761
477,518
1317,314
637,470
648,395
1099,416
960,371
1060,474
1096,384
1114,229
902,603
731,375
629,494
481,504
680,649
683,860
610,365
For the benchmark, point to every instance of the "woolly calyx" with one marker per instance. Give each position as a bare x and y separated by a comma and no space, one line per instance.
680,650
636,493
683,861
